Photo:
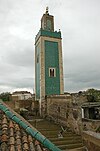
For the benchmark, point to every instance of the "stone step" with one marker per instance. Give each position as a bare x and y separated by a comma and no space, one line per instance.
45,125
66,138
70,146
55,134
51,130
67,142
77,149
44,128
55,131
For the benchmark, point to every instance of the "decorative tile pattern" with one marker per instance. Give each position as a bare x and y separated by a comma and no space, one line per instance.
52,84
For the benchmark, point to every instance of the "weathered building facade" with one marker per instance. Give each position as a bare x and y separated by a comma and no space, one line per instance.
22,99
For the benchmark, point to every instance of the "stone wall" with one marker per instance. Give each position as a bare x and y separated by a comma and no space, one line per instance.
91,140
23,104
57,108
66,110
11,104
92,125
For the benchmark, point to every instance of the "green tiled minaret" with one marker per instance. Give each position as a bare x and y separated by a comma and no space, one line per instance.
48,59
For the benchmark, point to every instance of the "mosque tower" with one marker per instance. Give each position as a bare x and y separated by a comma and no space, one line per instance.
48,59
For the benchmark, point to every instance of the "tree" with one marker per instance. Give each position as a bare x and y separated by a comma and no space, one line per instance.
5,96
91,98
94,95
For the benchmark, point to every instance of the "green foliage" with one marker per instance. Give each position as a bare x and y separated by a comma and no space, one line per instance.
91,98
5,96
93,95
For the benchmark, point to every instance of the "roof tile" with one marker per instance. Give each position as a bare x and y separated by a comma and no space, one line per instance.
25,147
11,124
12,148
15,138
11,140
4,146
4,138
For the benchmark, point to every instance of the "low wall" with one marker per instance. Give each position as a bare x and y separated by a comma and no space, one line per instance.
89,124
91,140
57,108
66,110
11,104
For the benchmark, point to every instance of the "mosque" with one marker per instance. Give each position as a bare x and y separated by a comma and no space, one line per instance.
48,60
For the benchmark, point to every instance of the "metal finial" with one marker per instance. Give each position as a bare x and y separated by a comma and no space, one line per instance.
47,10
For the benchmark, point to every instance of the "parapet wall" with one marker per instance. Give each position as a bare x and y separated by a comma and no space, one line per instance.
66,110
91,140
92,125
57,107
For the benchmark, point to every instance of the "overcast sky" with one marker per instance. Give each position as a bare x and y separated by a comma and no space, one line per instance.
79,21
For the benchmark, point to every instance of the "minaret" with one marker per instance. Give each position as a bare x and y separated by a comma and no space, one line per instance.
48,59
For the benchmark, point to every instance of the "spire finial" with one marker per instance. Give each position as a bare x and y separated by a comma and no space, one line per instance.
47,10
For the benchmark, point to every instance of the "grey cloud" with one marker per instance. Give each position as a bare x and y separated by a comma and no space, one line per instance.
21,82
18,82
82,80
21,57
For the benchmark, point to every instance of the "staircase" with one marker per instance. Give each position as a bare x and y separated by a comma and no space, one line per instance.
67,141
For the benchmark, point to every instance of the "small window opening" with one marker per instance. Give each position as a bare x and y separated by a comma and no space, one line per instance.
37,58
91,113
58,109
52,72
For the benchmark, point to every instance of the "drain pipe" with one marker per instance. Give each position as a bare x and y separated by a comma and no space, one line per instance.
28,128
